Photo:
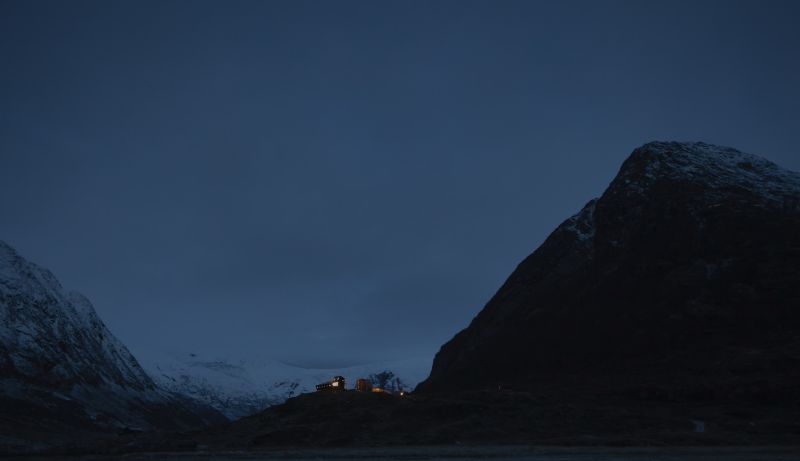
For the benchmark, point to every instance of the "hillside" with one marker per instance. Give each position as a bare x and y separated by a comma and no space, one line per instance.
62,372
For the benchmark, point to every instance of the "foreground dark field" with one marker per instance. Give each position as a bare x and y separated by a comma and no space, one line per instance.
607,416
513,453
613,416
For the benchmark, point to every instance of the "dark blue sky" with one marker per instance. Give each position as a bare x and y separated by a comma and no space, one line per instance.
330,182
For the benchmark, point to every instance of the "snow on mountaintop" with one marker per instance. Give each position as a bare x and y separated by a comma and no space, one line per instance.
240,387
719,169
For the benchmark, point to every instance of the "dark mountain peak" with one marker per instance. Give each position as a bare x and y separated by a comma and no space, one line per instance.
694,176
689,259
694,157
719,171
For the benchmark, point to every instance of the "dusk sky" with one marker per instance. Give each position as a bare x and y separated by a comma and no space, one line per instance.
333,182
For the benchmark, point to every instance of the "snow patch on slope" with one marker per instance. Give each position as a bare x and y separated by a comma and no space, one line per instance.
582,224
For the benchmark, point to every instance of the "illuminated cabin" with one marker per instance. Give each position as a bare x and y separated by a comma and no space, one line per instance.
363,385
336,384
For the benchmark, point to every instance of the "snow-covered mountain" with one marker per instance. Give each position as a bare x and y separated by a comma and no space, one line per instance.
241,387
59,362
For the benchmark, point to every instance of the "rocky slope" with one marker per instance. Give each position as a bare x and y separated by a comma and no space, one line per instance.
243,386
62,371
682,281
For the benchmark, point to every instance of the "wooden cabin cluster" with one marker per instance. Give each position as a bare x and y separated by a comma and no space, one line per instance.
337,384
